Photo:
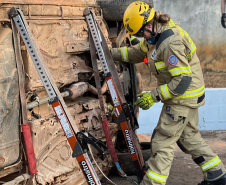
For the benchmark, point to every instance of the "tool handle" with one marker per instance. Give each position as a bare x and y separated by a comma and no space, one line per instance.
29,149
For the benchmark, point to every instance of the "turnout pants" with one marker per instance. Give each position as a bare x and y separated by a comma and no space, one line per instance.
179,124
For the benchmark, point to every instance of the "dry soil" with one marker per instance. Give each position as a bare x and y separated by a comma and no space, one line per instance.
184,171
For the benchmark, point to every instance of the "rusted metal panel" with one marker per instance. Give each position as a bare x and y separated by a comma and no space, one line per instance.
9,102
78,48
54,38
56,28
18,166
51,2
4,9
45,11
53,153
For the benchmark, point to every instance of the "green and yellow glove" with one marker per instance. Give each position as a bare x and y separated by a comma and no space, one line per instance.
145,101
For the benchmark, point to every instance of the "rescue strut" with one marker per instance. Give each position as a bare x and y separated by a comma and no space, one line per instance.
126,117
77,140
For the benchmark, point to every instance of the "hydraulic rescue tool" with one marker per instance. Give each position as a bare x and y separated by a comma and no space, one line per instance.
77,140
126,117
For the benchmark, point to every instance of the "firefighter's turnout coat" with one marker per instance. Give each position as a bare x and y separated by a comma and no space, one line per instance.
174,63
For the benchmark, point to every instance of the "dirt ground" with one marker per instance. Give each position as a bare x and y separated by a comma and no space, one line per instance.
184,171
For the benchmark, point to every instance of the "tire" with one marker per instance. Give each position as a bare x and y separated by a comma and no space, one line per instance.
113,10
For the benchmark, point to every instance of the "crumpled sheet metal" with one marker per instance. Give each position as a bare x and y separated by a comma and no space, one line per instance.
53,38
54,155
56,29
51,2
9,102
41,11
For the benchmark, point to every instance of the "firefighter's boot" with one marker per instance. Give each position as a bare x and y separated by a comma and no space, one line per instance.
220,181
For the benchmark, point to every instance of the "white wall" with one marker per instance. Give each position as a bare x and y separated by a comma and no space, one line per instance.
200,18
212,116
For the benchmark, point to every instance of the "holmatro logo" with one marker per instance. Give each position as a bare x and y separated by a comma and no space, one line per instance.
87,172
130,143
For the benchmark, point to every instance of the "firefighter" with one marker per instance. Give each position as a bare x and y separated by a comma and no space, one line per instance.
172,57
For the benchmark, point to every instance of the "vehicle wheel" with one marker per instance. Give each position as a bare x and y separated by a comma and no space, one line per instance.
114,10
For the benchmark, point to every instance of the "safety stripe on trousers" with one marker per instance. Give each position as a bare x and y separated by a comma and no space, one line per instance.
180,70
210,164
193,93
143,47
160,65
165,92
124,54
156,177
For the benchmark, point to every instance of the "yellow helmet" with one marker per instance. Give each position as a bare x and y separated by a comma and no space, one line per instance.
136,16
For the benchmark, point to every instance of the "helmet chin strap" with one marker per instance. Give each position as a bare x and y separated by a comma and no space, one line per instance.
153,27
153,33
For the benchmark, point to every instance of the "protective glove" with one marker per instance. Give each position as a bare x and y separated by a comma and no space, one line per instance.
223,20
145,101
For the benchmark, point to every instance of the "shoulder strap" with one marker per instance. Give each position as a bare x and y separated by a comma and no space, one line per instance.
166,34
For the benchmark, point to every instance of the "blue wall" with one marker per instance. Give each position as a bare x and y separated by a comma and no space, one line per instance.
212,116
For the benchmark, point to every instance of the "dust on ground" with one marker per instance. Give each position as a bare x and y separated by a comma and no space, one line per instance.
184,171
